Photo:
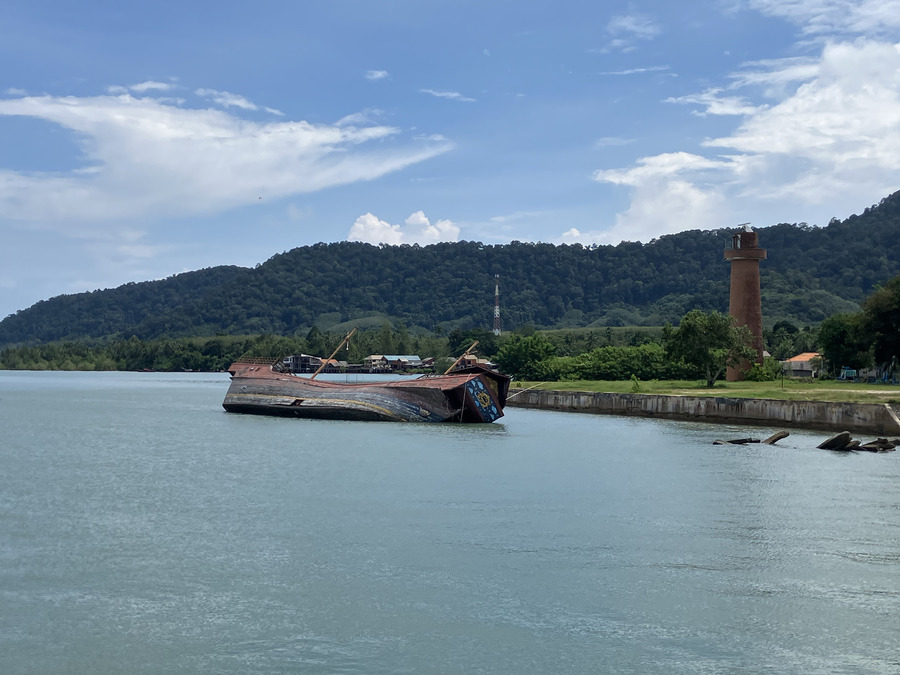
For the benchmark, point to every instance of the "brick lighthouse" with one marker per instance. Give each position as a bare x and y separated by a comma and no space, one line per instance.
745,304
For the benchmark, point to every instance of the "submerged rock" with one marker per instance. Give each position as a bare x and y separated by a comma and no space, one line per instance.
878,445
838,442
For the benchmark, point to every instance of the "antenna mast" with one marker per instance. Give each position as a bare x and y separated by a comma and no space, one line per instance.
496,304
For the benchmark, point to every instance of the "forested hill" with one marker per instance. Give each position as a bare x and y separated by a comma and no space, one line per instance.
811,273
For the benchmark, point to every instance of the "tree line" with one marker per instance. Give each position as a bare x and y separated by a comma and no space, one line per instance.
868,338
217,353
705,344
812,273
702,345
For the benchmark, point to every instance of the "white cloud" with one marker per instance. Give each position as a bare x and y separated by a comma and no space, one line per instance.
226,99
635,71
612,141
437,138
147,158
634,25
417,219
572,236
147,87
369,229
518,216
828,17
626,29
717,105
828,142
664,206
658,167
150,86
442,230
842,128
452,95
777,77
419,230
663,200
377,75
362,118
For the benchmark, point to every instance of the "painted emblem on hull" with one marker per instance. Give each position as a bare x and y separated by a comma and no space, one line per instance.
484,403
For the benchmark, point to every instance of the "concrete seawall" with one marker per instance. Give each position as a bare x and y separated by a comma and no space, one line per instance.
871,418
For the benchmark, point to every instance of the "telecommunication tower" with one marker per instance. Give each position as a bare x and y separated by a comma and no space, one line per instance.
496,304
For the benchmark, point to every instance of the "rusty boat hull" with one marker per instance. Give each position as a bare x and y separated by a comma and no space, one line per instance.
473,395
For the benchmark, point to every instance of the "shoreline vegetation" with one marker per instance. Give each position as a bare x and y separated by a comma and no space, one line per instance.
664,362
636,369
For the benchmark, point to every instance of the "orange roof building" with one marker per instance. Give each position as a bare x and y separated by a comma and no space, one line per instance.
801,365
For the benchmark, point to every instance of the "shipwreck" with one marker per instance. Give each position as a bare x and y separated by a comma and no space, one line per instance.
468,395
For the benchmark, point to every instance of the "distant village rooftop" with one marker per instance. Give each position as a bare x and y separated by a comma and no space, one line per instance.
804,357
802,365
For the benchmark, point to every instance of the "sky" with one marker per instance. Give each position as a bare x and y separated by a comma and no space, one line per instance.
140,140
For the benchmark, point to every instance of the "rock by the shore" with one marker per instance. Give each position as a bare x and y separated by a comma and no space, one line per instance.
837,442
878,445
842,442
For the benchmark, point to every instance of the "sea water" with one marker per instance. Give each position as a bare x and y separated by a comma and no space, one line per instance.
145,530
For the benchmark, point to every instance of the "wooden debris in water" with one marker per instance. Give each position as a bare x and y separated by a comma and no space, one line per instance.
774,438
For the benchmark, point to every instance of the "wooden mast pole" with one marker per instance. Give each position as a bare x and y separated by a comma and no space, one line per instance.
325,362
464,355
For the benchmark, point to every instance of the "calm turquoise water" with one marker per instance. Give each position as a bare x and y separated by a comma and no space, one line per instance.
144,530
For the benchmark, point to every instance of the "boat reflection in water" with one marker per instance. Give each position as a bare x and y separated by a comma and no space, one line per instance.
473,394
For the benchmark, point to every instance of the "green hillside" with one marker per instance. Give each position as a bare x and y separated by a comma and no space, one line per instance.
811,273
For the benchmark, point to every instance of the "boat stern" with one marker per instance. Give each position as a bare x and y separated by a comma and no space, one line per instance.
482,404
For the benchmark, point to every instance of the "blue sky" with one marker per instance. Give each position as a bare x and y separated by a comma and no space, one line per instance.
140,140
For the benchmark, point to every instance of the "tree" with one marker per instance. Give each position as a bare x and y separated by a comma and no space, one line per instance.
844,342
785,326
386,343
488,344
881,321
710,342
315,342
403,340
520,357
645,362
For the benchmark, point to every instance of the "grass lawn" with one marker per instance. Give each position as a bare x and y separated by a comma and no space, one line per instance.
826,390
